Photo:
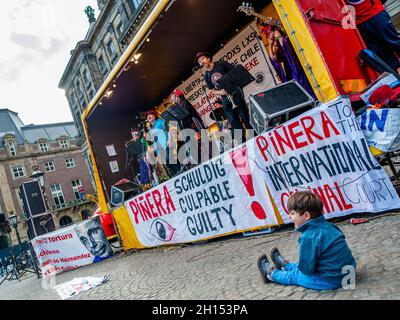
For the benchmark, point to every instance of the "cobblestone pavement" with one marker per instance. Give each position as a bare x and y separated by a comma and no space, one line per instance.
226,269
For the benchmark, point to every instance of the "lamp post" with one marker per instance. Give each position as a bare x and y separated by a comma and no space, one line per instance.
13,218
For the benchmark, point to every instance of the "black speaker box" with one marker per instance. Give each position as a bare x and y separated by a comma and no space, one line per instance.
32,197
122,192
277,105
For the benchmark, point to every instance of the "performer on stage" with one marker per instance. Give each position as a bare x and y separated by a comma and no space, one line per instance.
159,136
214,72
136,149
193,120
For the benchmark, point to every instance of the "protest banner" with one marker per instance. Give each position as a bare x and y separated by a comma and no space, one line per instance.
218,197
381,128
245,49
325,151
72,247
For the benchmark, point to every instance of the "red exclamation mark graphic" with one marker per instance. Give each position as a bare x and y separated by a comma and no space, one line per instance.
241,163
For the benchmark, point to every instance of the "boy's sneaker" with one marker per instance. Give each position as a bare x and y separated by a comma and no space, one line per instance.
265,268
278,259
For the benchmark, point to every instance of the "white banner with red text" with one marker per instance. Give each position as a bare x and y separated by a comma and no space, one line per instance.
325,151
322,150
72,247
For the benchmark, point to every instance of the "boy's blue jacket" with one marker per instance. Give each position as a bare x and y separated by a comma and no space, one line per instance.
323,250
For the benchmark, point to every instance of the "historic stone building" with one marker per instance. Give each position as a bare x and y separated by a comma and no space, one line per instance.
53,147
94,57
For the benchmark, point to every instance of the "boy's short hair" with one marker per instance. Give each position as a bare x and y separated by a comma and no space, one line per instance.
305,201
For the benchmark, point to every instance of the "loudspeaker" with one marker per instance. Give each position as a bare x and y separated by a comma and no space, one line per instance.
122,192
277,105
39,220
32,197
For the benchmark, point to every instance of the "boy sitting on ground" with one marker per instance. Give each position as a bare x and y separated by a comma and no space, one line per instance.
323,251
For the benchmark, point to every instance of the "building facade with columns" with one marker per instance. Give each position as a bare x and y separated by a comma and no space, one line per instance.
95,56
54,148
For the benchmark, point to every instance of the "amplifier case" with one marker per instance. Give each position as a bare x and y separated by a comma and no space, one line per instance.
272,107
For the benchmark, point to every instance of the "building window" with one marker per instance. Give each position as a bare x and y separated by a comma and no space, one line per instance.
78,122
87,78
44,146
11,148
90,93
58,195
70,162
76,185
102,65
49,166
65,221
85,214
18,172
79,89
136,3
112,52
120,29
64,144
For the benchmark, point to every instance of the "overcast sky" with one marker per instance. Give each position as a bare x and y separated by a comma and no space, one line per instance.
36,39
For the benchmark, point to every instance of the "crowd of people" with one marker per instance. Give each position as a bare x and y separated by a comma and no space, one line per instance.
156,145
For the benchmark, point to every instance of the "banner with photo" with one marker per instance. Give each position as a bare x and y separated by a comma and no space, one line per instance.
247,188
325,151
245,49
72,247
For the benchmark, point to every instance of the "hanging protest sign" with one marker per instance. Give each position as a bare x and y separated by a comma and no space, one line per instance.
72,247
325,151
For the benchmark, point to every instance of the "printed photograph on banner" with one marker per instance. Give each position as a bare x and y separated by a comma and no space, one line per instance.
93,237
325,151
72,247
